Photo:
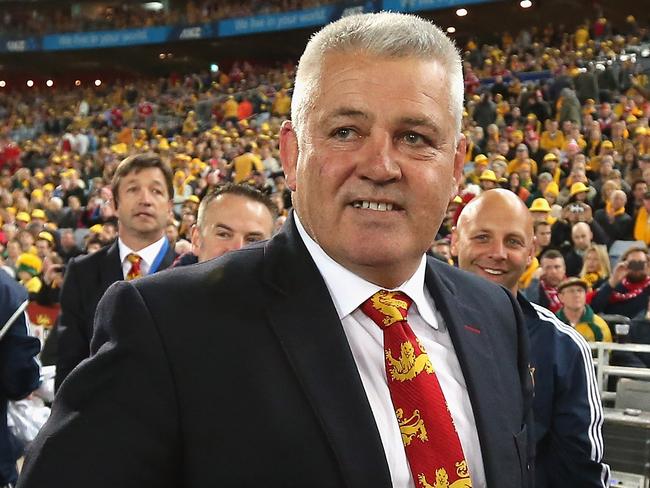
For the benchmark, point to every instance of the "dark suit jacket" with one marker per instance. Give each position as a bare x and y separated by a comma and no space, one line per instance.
237,372
86,279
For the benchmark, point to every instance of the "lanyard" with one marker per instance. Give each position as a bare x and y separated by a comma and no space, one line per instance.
159,257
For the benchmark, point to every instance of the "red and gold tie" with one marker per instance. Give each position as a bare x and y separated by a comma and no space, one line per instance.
135,271
430,440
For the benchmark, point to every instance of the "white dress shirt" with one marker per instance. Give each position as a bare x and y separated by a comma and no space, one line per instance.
148,255
366,341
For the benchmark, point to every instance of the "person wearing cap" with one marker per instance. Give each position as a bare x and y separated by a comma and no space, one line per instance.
22,219
617,224
480,165
488,180
28,269
576,313
541,211
494,240
44,244
551,164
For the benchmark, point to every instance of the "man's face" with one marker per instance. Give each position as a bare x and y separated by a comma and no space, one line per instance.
618,200
637,275
573,297
639,190
376,164
553,270
42,248
495,242
144,204
230,222
581,236
543,235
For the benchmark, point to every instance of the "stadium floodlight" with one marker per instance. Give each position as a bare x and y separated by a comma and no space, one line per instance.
525,4
49,83
3,83
451,29
98,82
77,82
461,12
30,83
214,67
155,6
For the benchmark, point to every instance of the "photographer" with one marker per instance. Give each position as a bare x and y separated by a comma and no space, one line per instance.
628,288
572,213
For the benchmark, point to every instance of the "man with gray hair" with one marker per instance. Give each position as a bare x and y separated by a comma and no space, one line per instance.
336,353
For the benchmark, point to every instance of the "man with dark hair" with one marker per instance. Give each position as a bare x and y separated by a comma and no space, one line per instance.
142,192
229,218
244,164
543,291
627,290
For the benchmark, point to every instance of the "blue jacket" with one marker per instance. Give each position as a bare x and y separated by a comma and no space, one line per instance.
19,371
567,409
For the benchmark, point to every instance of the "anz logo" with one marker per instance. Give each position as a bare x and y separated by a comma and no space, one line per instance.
16,46
191,33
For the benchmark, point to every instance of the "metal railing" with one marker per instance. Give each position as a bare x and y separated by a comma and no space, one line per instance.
604,370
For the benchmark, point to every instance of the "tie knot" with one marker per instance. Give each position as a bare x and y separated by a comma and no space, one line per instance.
387,307
133,258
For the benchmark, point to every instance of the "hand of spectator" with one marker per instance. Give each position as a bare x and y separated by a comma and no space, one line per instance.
53,277
587,215
620,270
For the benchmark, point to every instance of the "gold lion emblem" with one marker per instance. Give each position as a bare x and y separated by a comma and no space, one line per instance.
411,427
386,303
408,366
442,479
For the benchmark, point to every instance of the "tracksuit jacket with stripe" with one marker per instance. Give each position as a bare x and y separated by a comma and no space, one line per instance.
567,409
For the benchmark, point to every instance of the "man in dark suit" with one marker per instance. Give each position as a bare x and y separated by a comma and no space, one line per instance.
267,365
142,189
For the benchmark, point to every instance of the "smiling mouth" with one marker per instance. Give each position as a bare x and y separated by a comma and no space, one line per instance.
492,271
379,206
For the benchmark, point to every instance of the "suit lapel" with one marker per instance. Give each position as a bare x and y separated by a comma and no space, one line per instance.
303,317
168,259
470,334
111,267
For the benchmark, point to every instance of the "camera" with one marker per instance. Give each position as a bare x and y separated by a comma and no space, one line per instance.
576,208
636,265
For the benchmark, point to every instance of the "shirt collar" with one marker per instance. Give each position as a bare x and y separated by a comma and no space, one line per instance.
148,254
349,290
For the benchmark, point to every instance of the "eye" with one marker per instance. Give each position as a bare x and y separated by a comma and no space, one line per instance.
480,238
222,234
344,133
253,239
415,139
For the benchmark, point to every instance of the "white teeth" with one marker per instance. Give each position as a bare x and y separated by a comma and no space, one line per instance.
379,206
492,271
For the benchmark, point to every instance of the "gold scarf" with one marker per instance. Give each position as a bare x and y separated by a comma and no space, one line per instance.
642,226
610,211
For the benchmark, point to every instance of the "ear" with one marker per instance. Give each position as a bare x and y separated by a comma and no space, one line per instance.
454,242
459,163
289,153
531,251
196,240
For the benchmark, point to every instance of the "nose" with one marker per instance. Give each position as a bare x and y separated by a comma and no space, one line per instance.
498,251
381,163
235,243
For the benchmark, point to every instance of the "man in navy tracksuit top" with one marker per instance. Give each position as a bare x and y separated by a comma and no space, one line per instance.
19,372
494,239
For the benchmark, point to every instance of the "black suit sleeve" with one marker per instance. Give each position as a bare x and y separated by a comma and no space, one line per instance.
72,332
118,413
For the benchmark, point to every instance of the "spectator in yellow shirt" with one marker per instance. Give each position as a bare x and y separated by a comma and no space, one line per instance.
244,165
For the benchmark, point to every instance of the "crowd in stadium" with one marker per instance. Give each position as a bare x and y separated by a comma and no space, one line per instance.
573,143
23,20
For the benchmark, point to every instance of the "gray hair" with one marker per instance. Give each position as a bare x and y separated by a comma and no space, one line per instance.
385,34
